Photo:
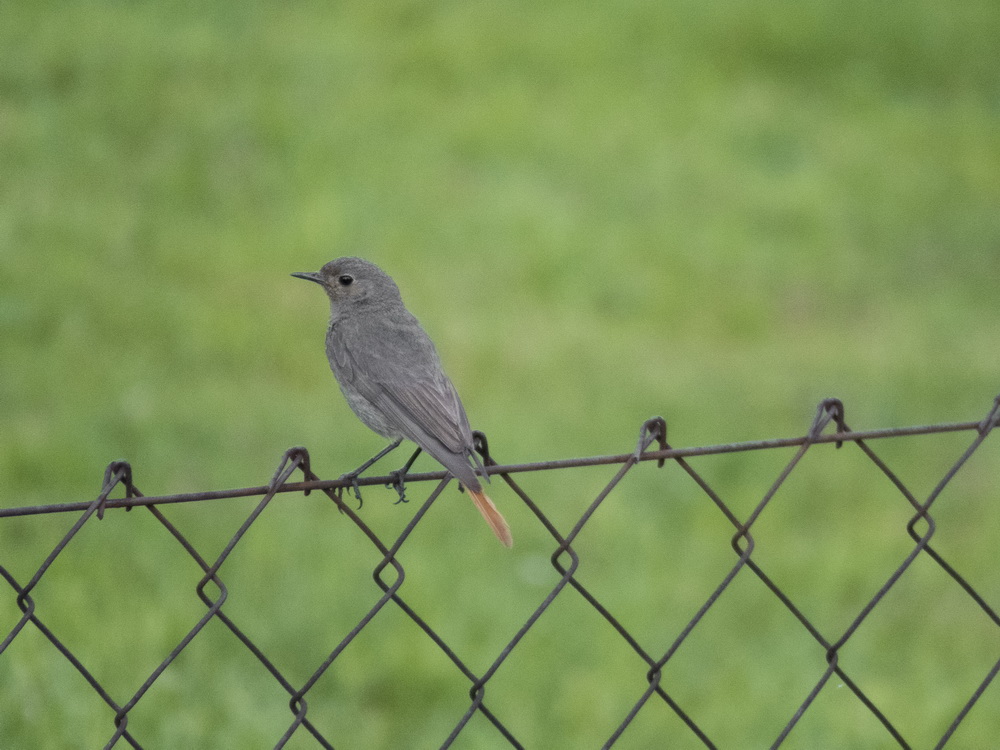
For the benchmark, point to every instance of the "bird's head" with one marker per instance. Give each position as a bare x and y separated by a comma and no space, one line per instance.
354,285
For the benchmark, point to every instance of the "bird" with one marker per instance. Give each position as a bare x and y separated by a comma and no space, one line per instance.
391,376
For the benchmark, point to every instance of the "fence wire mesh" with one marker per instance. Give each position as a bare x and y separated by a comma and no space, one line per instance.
389,575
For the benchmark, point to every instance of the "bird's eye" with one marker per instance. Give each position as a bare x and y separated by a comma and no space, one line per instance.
345,280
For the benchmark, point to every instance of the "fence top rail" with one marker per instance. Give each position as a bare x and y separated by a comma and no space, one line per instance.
563,463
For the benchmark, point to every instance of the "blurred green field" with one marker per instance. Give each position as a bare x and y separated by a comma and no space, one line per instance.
720,212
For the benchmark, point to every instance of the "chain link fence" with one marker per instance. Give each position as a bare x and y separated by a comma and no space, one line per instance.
294,475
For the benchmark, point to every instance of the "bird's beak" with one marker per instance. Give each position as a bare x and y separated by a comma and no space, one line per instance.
309,277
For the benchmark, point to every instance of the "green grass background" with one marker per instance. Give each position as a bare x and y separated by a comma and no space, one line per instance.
720,212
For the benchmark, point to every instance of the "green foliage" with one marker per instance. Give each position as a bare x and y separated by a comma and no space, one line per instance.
719,212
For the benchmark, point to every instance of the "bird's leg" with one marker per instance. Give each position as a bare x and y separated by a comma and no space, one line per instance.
353,475
399,474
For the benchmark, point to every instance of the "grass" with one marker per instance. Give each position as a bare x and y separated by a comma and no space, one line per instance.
720,212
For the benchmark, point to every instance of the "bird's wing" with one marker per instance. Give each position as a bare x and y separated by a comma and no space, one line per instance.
431,406
402,376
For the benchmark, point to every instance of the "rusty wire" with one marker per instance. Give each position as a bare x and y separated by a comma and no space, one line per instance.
389,573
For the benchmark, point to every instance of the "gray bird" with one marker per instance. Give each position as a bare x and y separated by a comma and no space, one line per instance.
391,376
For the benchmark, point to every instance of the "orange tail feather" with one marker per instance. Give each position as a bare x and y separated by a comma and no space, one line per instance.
493,517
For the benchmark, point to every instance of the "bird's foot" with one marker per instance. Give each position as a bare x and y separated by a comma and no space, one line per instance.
354,486
399,484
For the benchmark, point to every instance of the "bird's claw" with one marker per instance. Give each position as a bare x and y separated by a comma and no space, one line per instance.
355,487
398,484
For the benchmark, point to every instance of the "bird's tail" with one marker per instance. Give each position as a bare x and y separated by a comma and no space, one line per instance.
492,516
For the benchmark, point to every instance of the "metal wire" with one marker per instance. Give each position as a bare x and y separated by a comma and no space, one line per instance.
389,574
